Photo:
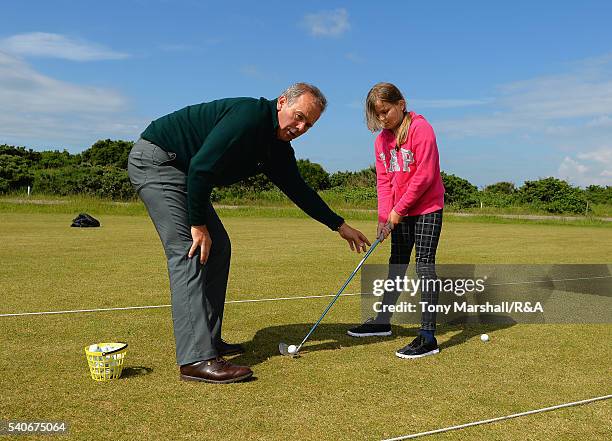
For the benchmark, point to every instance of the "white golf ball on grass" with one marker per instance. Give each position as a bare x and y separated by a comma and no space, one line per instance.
484,337
292,349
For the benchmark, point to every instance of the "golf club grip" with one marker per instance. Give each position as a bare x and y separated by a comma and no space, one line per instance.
387,225
376,242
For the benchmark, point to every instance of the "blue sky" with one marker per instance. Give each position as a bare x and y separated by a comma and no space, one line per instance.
514,90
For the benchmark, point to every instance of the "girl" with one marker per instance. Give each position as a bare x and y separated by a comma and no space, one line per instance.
410,203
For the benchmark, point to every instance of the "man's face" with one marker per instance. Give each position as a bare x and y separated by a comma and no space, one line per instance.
294,120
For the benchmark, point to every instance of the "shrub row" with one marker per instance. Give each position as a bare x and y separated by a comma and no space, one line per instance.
101,171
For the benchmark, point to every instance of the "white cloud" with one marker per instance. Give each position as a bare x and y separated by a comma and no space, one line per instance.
448,103
602,157
559,97
562,105
176,47
327,23
480,126
557,122
22,89
600,121
251,70
593,167
42,44
355,104
355,58
201,45
36,109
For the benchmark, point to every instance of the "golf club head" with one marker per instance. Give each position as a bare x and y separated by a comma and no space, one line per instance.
283,348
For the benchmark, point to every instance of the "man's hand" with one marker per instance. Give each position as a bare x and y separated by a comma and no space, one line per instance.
201,241
383,230
357,241
394,218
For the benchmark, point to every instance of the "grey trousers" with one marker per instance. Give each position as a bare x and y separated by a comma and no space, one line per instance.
197,291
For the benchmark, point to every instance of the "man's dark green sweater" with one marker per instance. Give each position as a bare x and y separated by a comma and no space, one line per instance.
225,141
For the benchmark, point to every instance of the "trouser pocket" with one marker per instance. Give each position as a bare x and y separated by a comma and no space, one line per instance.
143,160
161,157
136,169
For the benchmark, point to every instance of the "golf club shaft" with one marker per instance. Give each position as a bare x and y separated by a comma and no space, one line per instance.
376,242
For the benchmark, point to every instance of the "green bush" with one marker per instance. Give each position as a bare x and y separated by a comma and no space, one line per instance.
358,196
101,171
28,154
501,187
347,179
108,152
459,192
598,194
15,172
314,174
105,182
57,159
553,195
497,199
45,159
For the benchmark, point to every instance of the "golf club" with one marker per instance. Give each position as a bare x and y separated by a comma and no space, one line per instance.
284,348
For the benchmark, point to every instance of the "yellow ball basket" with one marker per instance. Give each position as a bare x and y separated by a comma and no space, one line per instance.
107,365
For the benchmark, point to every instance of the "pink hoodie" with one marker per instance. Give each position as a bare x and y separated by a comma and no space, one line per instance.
408,178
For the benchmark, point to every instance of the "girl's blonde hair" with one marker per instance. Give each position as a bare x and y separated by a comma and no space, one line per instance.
389,93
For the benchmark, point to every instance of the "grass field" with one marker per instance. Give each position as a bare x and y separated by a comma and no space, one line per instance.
340,389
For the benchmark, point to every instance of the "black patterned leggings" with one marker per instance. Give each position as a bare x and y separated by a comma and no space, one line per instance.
423,233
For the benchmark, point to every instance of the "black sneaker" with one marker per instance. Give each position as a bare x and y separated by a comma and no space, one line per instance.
370,329
420,347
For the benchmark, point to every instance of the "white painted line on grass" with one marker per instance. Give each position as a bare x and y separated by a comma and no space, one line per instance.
275,299
551,280
291,298
127,308
492,420
74,311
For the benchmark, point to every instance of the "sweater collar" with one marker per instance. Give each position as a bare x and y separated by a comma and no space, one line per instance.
274,113
275,124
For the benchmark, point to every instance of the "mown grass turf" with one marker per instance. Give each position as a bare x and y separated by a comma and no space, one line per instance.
341,388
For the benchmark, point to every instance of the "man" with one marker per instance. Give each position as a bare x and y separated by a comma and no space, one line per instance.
174,167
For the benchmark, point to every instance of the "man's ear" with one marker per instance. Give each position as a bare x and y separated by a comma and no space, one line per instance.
282,100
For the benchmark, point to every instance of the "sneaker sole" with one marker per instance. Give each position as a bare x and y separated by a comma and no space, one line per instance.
435,351
206,380
369,334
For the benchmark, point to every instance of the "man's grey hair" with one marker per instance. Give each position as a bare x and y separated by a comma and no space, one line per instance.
296,90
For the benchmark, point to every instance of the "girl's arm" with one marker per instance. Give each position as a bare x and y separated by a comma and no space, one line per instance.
427,166
383,186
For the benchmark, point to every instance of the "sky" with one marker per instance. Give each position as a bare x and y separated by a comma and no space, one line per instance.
515,91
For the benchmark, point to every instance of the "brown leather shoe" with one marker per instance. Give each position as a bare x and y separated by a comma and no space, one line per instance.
216,370
225,348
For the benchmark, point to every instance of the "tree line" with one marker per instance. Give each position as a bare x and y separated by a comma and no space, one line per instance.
101,171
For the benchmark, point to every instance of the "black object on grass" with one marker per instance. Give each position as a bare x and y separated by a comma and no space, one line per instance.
84,220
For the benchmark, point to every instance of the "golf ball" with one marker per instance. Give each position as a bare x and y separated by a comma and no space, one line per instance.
292,349
484,337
